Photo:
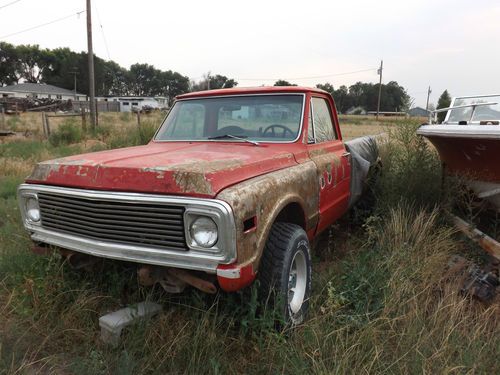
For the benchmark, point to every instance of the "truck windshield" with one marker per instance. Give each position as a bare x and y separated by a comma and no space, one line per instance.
264,118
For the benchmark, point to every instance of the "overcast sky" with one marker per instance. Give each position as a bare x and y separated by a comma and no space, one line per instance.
442,43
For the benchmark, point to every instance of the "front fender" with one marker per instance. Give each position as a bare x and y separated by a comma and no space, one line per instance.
263,198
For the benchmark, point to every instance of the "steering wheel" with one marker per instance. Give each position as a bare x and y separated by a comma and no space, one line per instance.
271,128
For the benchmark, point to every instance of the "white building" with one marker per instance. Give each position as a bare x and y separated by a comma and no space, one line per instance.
39,91
131,103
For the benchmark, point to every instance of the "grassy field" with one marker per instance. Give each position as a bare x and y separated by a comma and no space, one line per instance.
384,299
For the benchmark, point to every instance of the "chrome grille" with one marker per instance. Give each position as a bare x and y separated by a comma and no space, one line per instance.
136,223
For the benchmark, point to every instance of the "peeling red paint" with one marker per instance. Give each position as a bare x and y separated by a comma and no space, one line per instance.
182,168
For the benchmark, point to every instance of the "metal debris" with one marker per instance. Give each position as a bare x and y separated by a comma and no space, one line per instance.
113,323
481,284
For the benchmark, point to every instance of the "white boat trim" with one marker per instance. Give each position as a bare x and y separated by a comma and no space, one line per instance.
461,131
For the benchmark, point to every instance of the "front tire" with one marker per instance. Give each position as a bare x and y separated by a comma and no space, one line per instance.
285,272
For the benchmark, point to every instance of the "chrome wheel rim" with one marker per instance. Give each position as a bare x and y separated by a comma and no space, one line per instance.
297,282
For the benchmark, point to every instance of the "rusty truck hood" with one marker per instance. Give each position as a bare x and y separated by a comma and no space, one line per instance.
180,168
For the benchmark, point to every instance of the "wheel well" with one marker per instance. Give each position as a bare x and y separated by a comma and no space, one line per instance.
292,213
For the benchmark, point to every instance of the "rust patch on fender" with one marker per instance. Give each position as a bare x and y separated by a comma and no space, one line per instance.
192,175
192,182
264,197
65,161
42,171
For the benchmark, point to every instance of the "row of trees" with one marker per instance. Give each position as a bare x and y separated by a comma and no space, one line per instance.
60,67
394,97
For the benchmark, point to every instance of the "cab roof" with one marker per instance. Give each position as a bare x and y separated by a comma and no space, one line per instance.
251,90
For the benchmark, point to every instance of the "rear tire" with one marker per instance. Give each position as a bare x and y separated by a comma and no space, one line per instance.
285,272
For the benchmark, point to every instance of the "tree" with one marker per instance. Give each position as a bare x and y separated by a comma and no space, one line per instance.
328,87
216,82
222,82
282,82
444,101
172,84
9,64
342,99
32,63
144,80
64,64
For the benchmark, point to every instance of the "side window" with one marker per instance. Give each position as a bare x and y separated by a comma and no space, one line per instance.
322,119
310,128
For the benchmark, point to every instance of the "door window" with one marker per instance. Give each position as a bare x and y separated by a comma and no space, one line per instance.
322,120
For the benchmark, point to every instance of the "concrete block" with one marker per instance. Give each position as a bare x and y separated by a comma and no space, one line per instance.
113,323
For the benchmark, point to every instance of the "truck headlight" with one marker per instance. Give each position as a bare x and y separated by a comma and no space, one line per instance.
32,209
203,231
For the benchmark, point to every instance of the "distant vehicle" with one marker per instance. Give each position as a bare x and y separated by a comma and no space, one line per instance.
234,186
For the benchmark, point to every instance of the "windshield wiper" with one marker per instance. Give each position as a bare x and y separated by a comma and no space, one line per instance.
230,136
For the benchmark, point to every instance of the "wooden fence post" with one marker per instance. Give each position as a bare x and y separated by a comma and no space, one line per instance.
44,125
2,123
138,119
47,125
96,113
84,119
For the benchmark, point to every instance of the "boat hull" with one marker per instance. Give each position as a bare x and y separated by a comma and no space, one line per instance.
472,152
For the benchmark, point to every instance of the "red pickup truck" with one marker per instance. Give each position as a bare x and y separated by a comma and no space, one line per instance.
234,186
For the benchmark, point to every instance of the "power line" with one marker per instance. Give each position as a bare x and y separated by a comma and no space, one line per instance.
102,30
11,3
311,77
43,24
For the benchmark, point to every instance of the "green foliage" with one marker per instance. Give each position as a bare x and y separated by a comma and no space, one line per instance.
58,67
8,186
282,82
22,149
125,116
328,87
444,101
135,136
411,170
217,81
12,122
393,96
67,133
8,64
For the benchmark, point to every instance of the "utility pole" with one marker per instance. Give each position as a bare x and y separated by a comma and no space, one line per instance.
428,95
208,81
91,67
379,85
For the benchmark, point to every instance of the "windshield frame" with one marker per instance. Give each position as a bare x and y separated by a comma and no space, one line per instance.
452,104
299,132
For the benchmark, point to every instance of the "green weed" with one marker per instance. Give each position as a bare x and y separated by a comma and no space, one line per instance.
68,132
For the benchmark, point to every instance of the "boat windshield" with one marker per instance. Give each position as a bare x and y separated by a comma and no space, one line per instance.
237,118
482,113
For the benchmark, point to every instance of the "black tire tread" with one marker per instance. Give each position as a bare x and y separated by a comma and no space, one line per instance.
273,258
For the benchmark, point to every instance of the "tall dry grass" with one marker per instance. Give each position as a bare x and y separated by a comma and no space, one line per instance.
384,299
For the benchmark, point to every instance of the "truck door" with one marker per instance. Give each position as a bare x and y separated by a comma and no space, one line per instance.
328,152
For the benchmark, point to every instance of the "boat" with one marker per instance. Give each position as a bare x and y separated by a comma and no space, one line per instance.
468,143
